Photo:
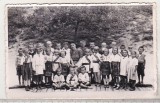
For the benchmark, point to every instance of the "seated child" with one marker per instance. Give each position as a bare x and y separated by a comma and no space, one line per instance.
27,66
72,79
58,81
132,70
19,66
105,67
141,65
83,78
123,69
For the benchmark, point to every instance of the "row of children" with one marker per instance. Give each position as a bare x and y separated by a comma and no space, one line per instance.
83,66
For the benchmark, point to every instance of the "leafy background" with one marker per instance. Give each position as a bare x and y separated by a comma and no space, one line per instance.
123,24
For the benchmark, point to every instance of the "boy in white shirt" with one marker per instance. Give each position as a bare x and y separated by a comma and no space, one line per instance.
83,78
58,81
72,79
19,66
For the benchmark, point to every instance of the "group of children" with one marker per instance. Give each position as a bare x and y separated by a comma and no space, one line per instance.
115,67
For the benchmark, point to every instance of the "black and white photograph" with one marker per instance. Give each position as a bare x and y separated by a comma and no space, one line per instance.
89,51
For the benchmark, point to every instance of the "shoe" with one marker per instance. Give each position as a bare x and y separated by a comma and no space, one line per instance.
114,86
107,86
118,87
132,89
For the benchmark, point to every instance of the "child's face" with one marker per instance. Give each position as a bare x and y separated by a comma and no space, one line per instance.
49,45
31,48
95,51
72,72
58,46
66,46
48,52
115,51
82,43
130,49
92,45
73,46
103,45
124,53
59,72
20,52
133,54
122,47
63,54
106,52
83,70
140,50
39,50
87,52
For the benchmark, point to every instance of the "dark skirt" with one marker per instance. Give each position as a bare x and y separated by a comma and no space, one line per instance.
115,68
19,70
105,68
27,71
65,69
140,69
48,67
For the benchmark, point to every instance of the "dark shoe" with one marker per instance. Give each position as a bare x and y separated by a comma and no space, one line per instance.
118,87
114,86
107,86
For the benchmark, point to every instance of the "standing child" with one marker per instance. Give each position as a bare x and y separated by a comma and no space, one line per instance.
72,79
49,46
67,50
115,67
123,69
58,81
105,67
31,50
83,78
19,66
64,63
96,66
55,61
132,70
130,49
141,65
38,63
48,67
27,65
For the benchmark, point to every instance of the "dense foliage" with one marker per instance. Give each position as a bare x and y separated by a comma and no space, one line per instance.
102,23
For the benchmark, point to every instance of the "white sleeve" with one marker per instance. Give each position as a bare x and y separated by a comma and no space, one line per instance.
87,77
34,63
79,63
68,78
62,78
55,79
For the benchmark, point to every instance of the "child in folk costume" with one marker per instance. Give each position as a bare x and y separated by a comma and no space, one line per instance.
65,64
31,49
67,50
91,46
96,66
41,48
122,47
85,61
38,64
141,64
123,69
19,66
58,47
58,81
49,46
27,65
115,67
132,70
112,45
103,47
48,66
72,79
55,61
83,78
105,67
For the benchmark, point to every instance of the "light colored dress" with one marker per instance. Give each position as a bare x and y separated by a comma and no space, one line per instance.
124,65
132,72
